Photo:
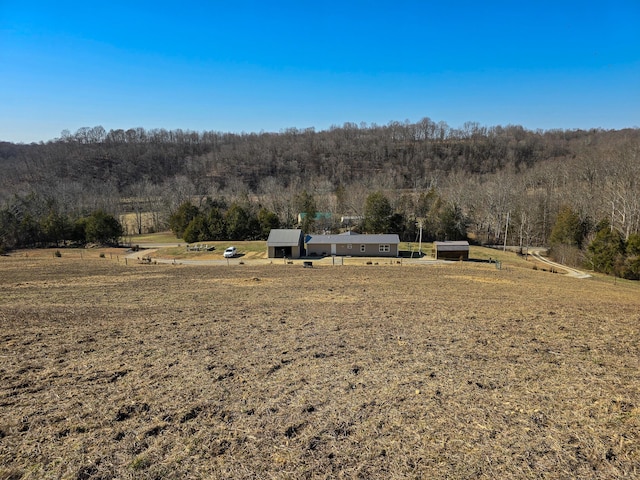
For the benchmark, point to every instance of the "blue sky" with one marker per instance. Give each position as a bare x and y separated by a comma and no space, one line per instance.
267,66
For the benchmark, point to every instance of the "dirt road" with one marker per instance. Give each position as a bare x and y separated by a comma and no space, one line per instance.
572,272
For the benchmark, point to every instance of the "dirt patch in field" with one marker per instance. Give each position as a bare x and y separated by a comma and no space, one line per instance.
276,371
482,279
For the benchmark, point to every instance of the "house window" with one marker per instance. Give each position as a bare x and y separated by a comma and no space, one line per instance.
349,246
363,248
384,248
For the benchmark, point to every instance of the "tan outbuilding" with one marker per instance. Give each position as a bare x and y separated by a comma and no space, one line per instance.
285,243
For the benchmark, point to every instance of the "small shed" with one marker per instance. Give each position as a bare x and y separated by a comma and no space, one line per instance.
458,250
285,243
353,244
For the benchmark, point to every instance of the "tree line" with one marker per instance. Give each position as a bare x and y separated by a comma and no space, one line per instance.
29,223
489,184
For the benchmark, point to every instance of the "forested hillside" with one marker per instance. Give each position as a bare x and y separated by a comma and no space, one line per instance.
556,187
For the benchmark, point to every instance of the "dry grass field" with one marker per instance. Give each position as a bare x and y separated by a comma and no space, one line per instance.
282,372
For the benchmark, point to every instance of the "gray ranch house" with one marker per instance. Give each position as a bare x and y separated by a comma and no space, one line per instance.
353,244
285,243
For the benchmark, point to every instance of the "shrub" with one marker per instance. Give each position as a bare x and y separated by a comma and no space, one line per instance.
631,268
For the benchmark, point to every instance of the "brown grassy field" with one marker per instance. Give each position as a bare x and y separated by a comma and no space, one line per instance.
278,371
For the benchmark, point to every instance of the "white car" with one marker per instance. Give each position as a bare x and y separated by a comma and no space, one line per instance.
230,252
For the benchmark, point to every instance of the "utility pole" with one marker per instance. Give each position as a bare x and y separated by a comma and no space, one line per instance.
506,230
420,240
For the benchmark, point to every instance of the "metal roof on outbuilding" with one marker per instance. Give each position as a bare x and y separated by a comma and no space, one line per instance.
284,237
453,246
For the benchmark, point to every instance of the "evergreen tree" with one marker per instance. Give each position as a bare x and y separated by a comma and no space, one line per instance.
606,251
268,221
216,224
377,213
567,236
568,229
633,245
197,230
180,219
238,223
306,205
453,224
103,228
631,269
78,231
29,231
398,225
8,230
56,228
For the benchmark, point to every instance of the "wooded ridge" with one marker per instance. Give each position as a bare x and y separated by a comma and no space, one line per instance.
485,181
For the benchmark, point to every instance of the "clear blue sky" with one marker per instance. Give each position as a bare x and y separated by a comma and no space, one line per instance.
270,65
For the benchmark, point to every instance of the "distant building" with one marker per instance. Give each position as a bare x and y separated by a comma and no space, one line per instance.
353,244
458,250
285,243
319,217
350,220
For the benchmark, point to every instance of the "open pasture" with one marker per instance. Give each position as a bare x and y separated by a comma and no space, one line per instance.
276,371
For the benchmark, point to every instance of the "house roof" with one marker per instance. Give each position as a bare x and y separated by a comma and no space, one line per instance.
385,238
284,237
452,246
318,215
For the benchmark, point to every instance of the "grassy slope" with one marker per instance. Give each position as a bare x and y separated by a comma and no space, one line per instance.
161,237
275,371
